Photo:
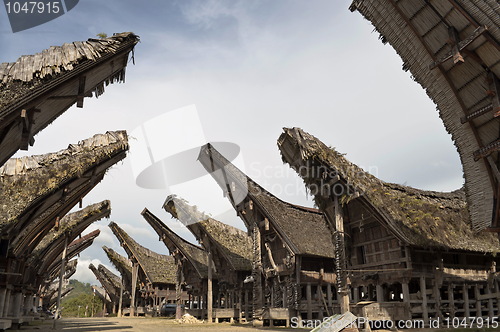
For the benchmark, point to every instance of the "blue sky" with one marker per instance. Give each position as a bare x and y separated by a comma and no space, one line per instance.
251,68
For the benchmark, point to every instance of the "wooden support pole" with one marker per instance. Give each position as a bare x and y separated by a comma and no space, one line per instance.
3,296
309,301
240,305
406,292
423,291
340,260
61,277
258,295
6,308
491,312
451,300
178,292
477,294
465,288
120,301
380,293
247,308
437,296
355,296
329,295
135,270
209,286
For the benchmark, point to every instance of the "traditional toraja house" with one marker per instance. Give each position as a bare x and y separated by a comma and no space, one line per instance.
103,295
49,289
452,50
36,89
37,191
156,273
111,284
229,250
52,245
124,266
53,300
293,253
74,248
412,251
192,270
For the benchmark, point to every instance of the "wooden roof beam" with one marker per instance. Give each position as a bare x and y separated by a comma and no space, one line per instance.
486,150
27,119
457,45
494,93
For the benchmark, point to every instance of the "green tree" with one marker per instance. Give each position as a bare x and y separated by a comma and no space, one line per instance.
77,306
102,35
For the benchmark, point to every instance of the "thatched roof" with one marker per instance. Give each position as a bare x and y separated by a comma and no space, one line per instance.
418,218
305,230
159,269
122,264
195,255
71,226
113,278
71,268
53,299
37,190
74,248
234,244
109,281
101,292
452,50
46,84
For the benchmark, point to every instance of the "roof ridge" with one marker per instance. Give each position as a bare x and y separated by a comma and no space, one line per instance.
21,165
57,59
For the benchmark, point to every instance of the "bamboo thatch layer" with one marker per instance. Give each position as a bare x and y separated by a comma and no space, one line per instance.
419,218
195,255
233,243
418,31
122,264
27,181
159,269
20,78
71,226
304,229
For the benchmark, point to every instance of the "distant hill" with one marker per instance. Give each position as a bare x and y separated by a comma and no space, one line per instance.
79,288
80,300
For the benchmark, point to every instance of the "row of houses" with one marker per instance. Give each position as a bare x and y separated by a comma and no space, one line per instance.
39,239
375,249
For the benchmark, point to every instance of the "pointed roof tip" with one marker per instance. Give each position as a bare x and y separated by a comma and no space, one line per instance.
184,212
401,206
92,145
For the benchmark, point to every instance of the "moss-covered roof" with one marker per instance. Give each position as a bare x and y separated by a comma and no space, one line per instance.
304,229
74,248
419,218
21,78
71,225
234,244
113,278
459,81
122,264
25,182
159,269
195,255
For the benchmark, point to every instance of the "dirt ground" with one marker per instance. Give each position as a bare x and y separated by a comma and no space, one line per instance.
138,324
143,324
